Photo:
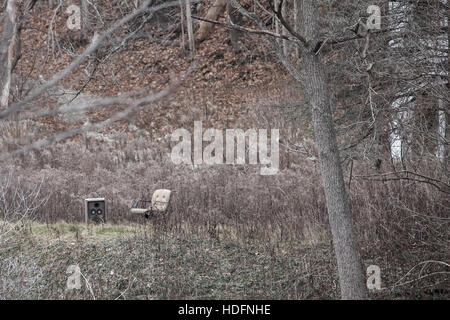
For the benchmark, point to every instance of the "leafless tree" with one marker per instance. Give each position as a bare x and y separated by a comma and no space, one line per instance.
7,41
131,100
190,27
314,79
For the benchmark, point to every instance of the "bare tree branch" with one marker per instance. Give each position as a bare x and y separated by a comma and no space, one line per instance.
133,104
95,43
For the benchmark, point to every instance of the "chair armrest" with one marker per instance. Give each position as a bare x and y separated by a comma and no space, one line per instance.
139,211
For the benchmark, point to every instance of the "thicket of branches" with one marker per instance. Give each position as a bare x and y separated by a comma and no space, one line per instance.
388,94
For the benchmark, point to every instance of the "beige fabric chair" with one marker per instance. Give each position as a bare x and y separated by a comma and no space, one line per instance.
160,200
158,204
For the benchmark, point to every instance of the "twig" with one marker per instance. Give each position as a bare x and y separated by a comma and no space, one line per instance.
88,285
421,263
431,181
240,28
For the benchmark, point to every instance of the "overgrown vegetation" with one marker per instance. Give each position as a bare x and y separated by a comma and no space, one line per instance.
146,262
230,233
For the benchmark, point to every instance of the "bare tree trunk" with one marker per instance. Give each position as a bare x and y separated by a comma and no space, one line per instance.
277,23
235,35
297,10
351,276
446,105
182,25
7,40
446,114
190,28
401,107
85,18
442,128
284,30
205,27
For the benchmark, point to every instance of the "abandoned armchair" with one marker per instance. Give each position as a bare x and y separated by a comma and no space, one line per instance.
158,205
